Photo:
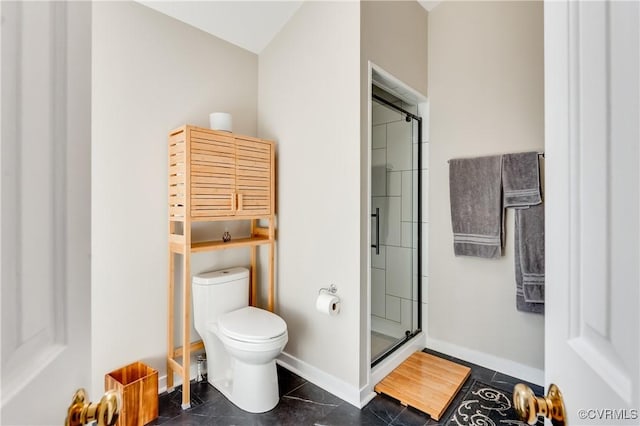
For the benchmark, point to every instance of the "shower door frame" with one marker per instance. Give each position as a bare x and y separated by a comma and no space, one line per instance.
386,353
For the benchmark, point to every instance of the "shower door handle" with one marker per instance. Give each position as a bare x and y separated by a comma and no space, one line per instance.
377,244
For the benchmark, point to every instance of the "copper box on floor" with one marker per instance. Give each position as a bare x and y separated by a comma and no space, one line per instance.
138,385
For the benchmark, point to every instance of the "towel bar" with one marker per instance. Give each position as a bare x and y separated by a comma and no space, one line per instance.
541,154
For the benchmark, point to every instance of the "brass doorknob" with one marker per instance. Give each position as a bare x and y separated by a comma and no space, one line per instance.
105,412
528,406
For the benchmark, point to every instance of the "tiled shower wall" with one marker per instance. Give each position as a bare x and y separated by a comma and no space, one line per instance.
394,191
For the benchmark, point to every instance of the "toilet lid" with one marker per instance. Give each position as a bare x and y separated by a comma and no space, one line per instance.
251,324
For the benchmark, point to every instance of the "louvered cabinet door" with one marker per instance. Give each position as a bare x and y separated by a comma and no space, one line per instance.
254,176
213,175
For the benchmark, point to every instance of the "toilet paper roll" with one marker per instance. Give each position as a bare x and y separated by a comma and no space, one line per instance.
220,121
328,304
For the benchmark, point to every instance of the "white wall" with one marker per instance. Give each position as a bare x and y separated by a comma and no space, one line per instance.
309,100
486,94
394,37
150,74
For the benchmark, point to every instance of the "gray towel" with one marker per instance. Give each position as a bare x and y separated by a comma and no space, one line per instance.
521,179
529,259
476,206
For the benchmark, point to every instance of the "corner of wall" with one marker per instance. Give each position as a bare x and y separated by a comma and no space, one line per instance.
318,183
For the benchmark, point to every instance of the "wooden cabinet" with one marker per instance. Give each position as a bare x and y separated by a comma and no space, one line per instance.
225,175
214,176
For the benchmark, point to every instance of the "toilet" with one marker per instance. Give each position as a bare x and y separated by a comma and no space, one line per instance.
241,341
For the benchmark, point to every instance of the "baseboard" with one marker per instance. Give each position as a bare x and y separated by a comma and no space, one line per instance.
326,381
308,372
492,362
162,384
366,395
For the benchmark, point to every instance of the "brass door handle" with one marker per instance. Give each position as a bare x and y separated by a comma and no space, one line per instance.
528,406
105,412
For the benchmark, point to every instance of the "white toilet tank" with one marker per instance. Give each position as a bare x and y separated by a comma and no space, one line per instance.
219,292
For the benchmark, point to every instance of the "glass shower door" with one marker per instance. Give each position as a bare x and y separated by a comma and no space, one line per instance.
394,227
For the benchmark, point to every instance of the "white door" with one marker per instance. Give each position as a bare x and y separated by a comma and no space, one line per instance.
45,208
592,142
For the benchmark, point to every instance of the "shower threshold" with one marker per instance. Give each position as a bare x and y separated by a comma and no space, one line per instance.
381,355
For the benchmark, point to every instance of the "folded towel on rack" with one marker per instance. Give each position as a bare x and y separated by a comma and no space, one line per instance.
529,259
476,206
521,179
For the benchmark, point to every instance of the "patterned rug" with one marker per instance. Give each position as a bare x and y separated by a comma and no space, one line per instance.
484,405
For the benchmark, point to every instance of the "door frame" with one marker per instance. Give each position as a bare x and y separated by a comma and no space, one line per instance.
418,342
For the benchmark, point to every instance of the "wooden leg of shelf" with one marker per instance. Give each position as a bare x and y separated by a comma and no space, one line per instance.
186,328
272,228
271,290
253,298
271,277
253,283
170,310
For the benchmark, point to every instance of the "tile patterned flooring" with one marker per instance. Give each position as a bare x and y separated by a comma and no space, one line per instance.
303,403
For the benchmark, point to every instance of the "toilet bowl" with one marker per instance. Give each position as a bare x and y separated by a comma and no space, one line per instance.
241,341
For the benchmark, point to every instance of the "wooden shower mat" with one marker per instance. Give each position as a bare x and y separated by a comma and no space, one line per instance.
425,382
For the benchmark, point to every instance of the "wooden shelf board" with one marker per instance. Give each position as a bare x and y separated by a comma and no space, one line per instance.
195,346
221,245
228,218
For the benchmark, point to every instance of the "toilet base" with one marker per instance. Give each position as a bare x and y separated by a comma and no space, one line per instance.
254,387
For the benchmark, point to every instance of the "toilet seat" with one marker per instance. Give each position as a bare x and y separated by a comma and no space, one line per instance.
252,325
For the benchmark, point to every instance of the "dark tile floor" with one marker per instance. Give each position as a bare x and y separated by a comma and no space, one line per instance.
303,403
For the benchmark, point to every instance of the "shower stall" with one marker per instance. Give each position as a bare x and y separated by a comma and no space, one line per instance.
395,223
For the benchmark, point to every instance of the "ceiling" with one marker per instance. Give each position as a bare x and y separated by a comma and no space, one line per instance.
247,24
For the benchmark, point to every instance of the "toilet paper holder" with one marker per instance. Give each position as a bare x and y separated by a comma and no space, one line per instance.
332,289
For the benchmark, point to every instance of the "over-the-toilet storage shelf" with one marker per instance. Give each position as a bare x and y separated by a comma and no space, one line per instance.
214,176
